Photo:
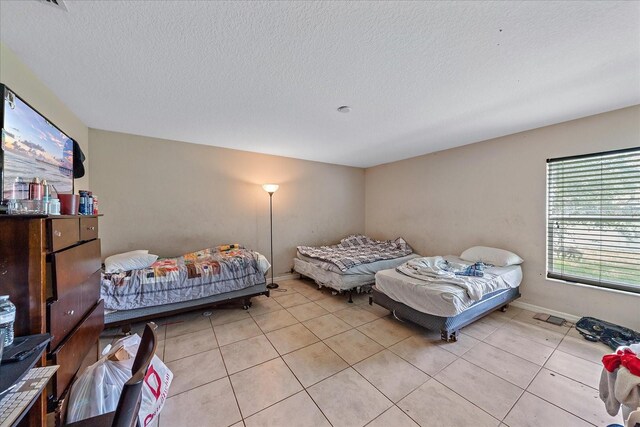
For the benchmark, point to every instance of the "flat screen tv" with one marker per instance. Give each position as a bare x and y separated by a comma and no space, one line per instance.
32,147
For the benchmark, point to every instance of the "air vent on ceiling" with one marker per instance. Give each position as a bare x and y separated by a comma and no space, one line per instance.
56,3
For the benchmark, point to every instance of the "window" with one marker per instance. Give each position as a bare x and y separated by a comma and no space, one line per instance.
593,219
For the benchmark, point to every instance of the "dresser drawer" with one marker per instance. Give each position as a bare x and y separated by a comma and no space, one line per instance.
88,228
65,313
74,349
73,267
62,233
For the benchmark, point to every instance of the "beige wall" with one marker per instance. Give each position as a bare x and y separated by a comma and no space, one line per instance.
493,193
173,197
23,82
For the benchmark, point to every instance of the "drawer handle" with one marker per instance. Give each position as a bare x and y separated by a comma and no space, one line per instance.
69,313
91,228
57,233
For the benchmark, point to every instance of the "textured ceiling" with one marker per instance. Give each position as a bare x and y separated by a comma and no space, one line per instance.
268,76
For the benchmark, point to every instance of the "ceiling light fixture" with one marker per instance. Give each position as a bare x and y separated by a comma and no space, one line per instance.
344,109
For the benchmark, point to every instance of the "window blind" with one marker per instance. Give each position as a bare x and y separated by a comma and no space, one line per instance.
593,219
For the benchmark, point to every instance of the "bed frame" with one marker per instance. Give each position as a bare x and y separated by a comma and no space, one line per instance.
448,326
125,318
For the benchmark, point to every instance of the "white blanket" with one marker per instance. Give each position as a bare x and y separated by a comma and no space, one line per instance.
432,271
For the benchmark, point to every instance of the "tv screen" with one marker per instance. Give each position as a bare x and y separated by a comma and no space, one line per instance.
33,147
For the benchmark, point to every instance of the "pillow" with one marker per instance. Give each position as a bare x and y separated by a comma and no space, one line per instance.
133,260
497,257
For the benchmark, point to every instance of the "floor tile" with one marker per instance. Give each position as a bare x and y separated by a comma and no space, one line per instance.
361,298
236,331
578,346
572,396
160,350
376,309
334,303
355,316
263,305
291,338
390,374
307,311
290,286
291,300
298,410
222,316
314,294
423,354
505,316
213,402
529,350
505,365
186,326
463,343
185,377
480,329
275,320
433,404
263,385
347,399
534,333
326,326
393,417
487,391
353,346
575,368
511,312
189,344
387,331
527,316
459,347
314,363
247,353
531,411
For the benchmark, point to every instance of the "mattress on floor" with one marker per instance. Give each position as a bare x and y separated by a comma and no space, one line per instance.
327,274
331,279
370,268
440,299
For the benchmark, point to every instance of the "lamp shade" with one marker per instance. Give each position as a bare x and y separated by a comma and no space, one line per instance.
270,188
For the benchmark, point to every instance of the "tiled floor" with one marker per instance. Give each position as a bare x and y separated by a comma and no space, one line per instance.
307,358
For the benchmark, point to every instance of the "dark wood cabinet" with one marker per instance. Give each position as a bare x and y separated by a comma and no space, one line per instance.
50,268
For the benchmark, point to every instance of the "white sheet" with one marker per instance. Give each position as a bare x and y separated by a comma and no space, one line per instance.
441,299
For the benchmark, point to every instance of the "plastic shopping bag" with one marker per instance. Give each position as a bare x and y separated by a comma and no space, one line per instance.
98,389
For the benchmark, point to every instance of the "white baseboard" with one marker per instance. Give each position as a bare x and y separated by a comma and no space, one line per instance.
537,309
284,277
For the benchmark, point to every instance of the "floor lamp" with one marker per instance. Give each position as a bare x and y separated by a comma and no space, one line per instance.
271,188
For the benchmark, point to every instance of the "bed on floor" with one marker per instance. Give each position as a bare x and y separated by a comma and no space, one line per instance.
351,265
447,303
172,285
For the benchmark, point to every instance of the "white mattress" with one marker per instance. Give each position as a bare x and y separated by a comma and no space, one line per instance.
441,299
359,275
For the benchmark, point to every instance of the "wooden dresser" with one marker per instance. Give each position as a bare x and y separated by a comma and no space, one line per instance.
50,268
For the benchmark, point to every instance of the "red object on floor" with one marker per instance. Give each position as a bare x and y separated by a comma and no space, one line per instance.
626,358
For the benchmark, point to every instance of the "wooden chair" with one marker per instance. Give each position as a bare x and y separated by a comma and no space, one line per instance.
126,413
